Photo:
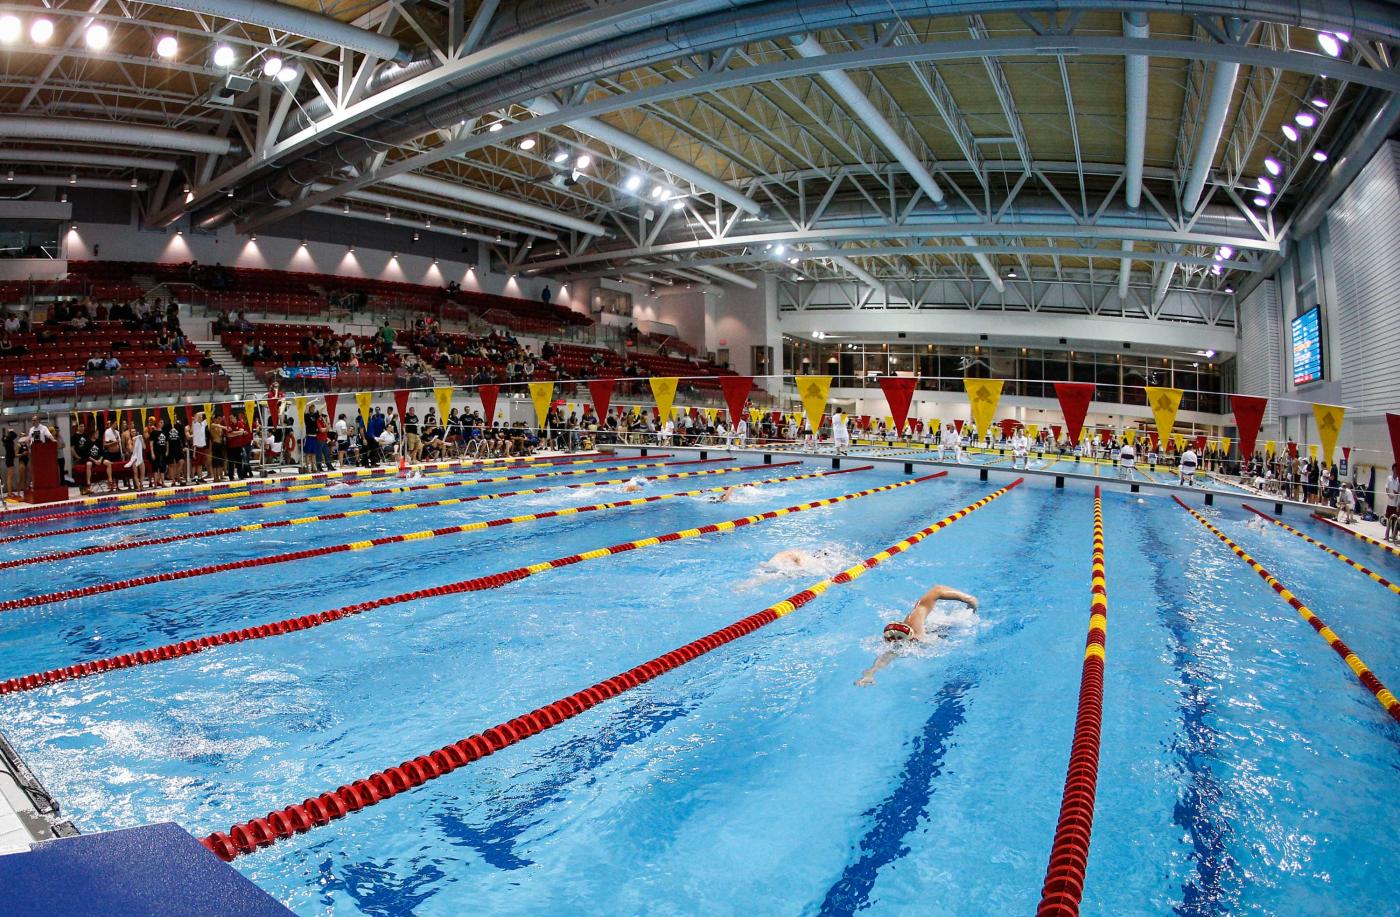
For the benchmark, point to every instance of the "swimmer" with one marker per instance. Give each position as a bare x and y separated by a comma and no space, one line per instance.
911,629
727,494
795,559
634,486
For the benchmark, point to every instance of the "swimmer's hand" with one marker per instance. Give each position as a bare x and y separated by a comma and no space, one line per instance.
865,681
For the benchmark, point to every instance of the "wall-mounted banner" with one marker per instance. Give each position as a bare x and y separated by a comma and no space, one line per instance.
1164,402
983,395
541,393
814,391
1329,427
1074,404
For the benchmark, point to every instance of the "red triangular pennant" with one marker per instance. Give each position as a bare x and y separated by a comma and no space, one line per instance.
736,392
331,401
1249,415
1393,422
489,394
601,390
899,392
1074,404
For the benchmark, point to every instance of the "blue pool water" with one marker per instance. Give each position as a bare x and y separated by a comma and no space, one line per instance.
1243,770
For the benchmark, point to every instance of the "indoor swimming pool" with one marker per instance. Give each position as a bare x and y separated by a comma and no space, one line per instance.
1243,766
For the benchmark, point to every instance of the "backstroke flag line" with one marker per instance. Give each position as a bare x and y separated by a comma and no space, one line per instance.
984,395
1164,402
814,391
1074,404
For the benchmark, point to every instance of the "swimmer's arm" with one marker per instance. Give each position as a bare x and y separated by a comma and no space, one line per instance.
868,676
938,593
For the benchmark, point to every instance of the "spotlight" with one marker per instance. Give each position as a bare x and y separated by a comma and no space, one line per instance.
224,56
1273,165
528,143
96,37
1319,102
678,204
272,66
167,47
658,192
1305,118
560,157
287,74
133,181
40,31
1261,201
495,127
583,161
1228,290
303,243
1011,273
1226,251
415,237
387,218
1330,44
1290,132
1264,185
1319,156
633,182
72,178
779,249
10,29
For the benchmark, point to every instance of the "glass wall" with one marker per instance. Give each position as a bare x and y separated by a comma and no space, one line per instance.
30,239
1029,372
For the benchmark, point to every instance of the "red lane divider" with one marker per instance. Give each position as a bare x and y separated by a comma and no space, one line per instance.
348,495
365,545
1363,674
321,810
351,514
1366,538
209,498
1069,854
221,486
1335,553
494,581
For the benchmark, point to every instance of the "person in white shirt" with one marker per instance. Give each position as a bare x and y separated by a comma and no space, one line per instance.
1392,504
951,445
38,433
1187,467
203,455
1020,450
741,433
840,434
1127,460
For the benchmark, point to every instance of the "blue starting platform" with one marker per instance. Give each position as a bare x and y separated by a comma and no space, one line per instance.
156,869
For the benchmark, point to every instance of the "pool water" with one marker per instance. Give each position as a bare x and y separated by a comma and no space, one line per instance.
1243,768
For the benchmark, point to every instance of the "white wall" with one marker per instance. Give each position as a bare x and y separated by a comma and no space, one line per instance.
129,243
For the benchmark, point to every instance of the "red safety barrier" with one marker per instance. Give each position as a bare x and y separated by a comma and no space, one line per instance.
395,508
1363,674
1069,853
117,585
263,491
1357,535
290,625
410,488
1372,574
222,487
248,836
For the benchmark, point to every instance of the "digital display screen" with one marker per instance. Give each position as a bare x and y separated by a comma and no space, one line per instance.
1307,347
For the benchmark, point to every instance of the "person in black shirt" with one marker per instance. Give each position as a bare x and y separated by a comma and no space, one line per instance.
412,443
12,475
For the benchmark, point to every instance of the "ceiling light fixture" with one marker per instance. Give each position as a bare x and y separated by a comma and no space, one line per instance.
658,192
96,37
272,66
1319,102
528,143
583,161
1261,201
1290,132
1273,165
224,56
72,178
167,47
1305,118
678,204
287,74
496,127
1264,185
560,157
1319,155
1330,44
10,29
633,182
40,31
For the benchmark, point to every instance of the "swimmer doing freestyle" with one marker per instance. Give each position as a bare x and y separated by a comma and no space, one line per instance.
911,629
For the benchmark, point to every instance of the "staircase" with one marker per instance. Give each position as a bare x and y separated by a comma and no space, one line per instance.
241,380
439,379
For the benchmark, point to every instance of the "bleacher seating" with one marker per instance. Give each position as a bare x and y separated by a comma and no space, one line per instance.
288,342
144,367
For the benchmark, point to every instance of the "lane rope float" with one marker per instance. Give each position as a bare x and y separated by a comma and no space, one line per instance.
370,543
1069,853
316,811
194,645
1363,674
296,488
218,486
1372,574
355,513
356,494
1366,538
